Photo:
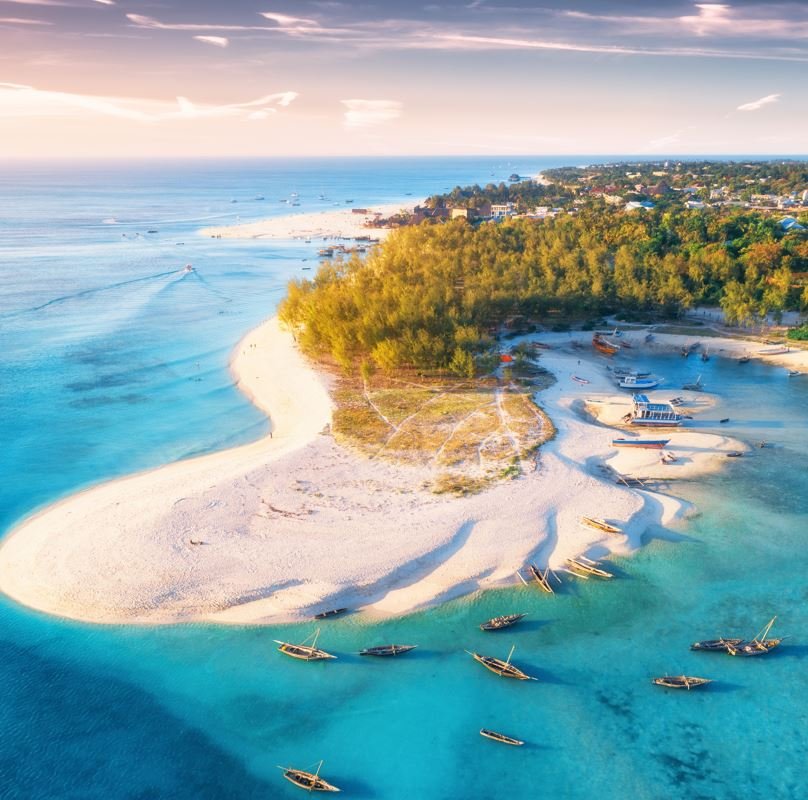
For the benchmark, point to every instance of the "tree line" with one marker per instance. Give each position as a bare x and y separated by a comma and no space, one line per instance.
432,296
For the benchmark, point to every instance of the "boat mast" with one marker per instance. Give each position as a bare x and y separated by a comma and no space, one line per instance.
765,632
513,647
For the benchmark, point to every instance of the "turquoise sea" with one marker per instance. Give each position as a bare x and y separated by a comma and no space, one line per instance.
112,360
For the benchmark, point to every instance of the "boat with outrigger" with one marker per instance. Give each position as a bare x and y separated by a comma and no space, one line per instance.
587,567
500,737
501,622
304,651
541,578
681,682
600,524
310,781
502,668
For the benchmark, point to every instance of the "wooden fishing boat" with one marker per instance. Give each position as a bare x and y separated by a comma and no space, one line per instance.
602,346
758,646
724,421
331,613
734,454
311,782
388,650
715,645
303,651
681,681
698,386
500,737
499,623
587,567
542,578
600,524
648,444
744,359
579,380
502,668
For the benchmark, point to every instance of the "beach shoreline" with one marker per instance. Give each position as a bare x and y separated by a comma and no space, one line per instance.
318,226
294,524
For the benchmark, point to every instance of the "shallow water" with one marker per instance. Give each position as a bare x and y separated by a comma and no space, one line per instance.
105,382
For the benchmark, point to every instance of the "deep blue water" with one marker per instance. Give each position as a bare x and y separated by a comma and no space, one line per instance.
112,360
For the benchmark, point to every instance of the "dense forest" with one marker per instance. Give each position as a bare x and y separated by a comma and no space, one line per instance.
431,296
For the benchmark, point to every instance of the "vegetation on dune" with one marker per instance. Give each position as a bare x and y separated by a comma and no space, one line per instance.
468,432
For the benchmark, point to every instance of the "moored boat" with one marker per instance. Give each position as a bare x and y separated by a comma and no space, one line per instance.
502,668
697,386
758,646
715,645
652,444
579,380
504,621
500,737
388,650
310,781
303,651
681,681
637,382
600,524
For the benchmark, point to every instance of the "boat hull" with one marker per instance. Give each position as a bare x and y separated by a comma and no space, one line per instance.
648,444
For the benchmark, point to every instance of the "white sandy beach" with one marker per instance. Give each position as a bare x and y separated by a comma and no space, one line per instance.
294,524
337,223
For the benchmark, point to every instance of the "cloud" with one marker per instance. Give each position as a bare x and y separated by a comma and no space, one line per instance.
216,41
758,104
17,100
19,21
370,113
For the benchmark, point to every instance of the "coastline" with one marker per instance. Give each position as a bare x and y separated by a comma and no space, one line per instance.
293,524
340,223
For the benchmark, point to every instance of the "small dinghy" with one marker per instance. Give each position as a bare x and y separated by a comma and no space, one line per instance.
681,682
499,623
502,668
500,737
734,454
388,650
310,781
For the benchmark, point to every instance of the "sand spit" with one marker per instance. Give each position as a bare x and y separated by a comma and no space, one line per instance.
293,524
340,223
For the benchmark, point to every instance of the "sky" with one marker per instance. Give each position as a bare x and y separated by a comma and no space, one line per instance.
181,78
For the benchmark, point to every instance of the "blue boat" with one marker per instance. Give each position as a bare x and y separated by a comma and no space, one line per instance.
653,444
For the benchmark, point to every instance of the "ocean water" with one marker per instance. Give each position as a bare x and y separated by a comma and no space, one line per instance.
114,360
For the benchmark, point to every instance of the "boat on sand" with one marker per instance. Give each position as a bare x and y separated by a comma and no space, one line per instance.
600,524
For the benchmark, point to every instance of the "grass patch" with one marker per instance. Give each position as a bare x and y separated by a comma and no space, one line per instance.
469,433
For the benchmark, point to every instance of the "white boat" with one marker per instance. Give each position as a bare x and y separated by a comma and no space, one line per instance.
636,382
